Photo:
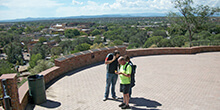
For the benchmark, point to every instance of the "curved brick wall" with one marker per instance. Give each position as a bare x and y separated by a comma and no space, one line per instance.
171,50
70,62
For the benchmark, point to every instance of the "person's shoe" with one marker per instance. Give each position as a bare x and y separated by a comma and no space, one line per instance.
125,107
115,98
121,105
104,99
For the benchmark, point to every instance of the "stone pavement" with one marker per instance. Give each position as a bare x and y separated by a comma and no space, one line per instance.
168,82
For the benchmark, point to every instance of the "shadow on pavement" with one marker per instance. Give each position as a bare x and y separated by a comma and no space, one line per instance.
72,73
144,102
48,104
141,103
134,108
84,68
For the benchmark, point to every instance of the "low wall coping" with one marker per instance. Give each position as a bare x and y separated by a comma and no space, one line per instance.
159,48
22,91
95,50
49,70
63,58
8,76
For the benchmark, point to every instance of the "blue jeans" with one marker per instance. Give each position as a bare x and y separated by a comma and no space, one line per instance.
111,79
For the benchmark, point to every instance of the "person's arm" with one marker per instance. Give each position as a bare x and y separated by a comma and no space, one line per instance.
127,75
128,72
109,61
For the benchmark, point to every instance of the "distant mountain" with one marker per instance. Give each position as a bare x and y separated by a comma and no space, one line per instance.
92,16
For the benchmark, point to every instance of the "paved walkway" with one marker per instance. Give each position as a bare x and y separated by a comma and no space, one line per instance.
168,82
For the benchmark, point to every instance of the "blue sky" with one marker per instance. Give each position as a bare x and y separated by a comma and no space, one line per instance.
14,9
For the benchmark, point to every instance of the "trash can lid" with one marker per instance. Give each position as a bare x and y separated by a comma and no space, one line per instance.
35,77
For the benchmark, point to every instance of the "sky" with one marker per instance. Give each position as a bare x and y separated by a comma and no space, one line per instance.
16,9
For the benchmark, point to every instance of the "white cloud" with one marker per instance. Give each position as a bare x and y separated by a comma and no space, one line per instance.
119,6
76,2
212,3
45,8
30,3
106,5
28,8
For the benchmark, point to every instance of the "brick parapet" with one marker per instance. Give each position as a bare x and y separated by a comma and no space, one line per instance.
169,50
12,89
74,61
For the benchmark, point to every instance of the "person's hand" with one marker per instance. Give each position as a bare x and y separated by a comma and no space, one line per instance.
116,72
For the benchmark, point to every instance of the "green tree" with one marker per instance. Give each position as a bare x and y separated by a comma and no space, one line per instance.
67,51
28,29
153,40
57,39
96,32
14,27
118,42
134,42
216,37
69,33
193,18
14,52
178,41
134,45
138,39
81,40
202,36
215,29
98,39
110,44
42,39
101,45
41,66
159,33
164,43
6,67
40,48
26,40
34,59
40,28
96,46
176,29
149,29
56,50
83,33
76,32
83,47
67,44
7,38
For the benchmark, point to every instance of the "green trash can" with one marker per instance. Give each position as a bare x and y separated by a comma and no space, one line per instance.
37,89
